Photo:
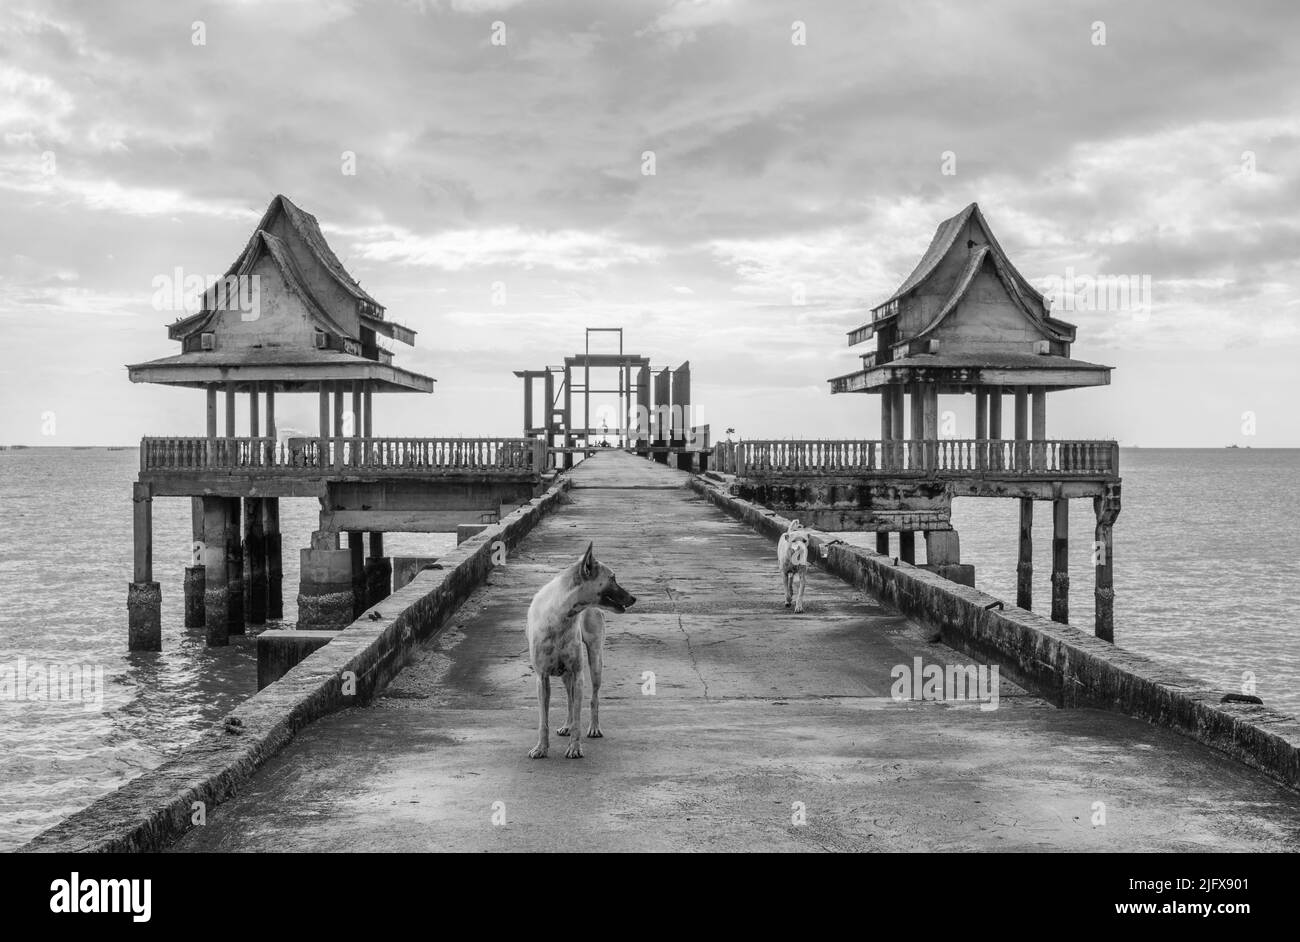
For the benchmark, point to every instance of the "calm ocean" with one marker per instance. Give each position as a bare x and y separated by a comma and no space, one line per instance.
1207,577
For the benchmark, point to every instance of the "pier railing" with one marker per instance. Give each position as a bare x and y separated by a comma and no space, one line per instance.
946,456
317,456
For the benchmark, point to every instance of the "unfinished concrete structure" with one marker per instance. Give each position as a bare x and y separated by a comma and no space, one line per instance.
653,415
288,318
965,321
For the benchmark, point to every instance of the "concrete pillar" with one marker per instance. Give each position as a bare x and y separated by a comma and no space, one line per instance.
367,406
230,410
338,425
981,429
644,406
528,403
255,588
1025,566
212,422
325,595
882,542
324,446
943,556
548,414
274,558
568,415
1106,508
907,546
357,562
235,566
916,427
1039,430
194,580
216,587
271,432
378,572
143,595
930,423
995,427
356,423
896,413
1061,560
1022,427
663,406
254,415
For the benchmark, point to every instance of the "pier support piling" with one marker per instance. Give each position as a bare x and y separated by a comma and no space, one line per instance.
357,562
1061,561
274,557
194,574
255,589
325,593
143,595
216,587
1025,565
378,572
235,566
1107,509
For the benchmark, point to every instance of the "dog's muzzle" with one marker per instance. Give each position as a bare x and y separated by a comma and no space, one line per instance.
618,599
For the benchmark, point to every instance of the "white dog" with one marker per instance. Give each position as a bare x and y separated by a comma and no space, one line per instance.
792,557
565,617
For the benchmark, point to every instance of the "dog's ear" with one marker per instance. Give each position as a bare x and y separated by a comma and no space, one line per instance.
588,565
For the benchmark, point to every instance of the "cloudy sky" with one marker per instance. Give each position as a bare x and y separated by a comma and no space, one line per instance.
1154,139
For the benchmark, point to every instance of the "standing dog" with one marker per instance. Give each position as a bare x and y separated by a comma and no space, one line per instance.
792,557
564,618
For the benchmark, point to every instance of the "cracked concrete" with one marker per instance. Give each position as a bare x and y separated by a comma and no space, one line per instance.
758,716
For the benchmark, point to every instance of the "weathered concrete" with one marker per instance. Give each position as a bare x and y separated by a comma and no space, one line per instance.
326,594
756,715
406,568
1069,666
150,811
144,616
194,588
279,650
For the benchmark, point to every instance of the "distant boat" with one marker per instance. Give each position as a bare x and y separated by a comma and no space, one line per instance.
1231,446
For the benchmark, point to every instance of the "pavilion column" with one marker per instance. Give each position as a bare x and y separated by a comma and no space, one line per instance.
143,595
1039,433
995,427
1022,428
338,425
981,428
367,422
1061,560
194,575
916,426
254,424
930,423
324,447
356,423
212,423
1106,508
254,561
378,571
1025,566
897,413
270,425
230,424
274,558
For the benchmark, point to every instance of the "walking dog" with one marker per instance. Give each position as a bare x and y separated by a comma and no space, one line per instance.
565,617
792,557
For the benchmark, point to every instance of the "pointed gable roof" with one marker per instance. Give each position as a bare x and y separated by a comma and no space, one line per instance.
944,242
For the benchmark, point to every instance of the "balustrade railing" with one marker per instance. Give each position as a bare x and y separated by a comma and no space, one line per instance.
944,456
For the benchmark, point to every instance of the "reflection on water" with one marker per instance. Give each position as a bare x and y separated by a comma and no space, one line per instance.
65,561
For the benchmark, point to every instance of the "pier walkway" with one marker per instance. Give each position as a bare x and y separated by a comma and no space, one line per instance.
758,717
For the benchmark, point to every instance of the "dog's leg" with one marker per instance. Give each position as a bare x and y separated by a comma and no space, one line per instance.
595,646
787,580
543,710
573,687
798,602
569,721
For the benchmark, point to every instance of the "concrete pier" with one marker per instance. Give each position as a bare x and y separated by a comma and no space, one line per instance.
194,576
143,595
255,579
274,558
729,724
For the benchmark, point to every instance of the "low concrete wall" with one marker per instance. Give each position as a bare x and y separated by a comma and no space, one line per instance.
1068,666
151,811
